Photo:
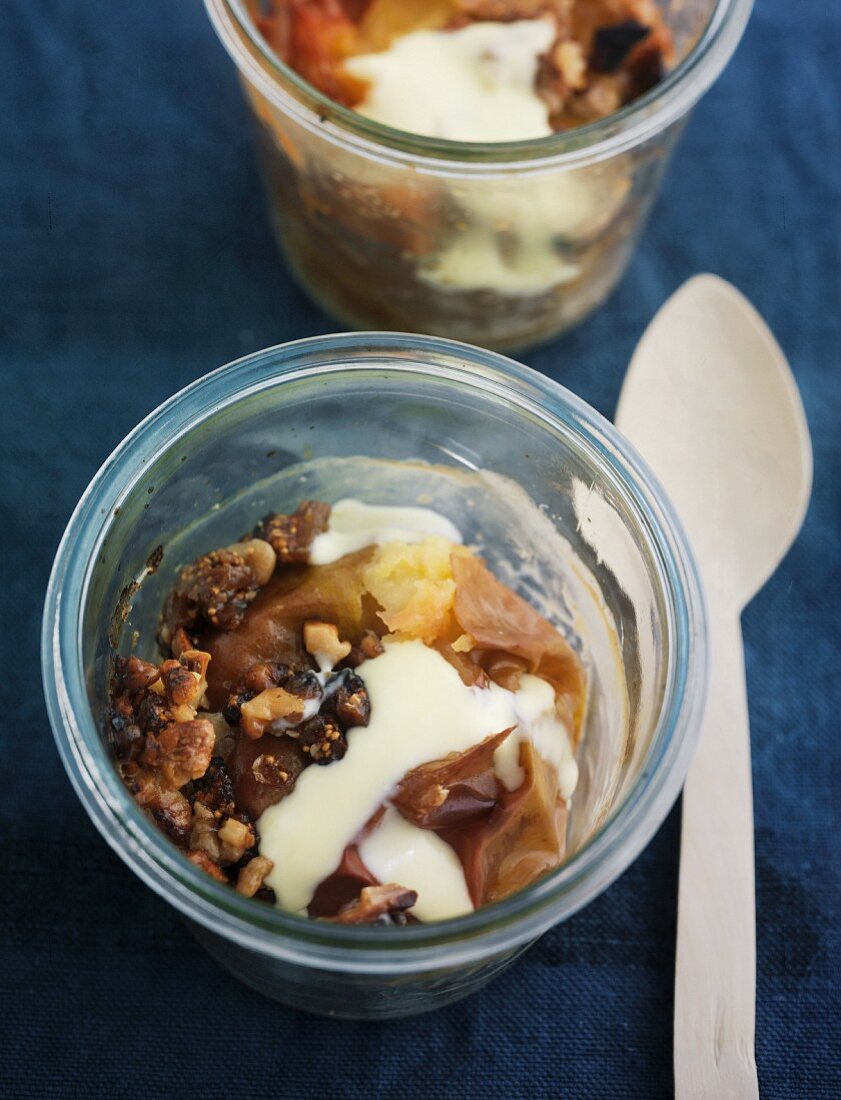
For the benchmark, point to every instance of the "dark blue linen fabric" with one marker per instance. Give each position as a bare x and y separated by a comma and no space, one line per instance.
135,256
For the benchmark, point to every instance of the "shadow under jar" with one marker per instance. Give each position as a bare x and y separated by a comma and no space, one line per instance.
504,244
562,510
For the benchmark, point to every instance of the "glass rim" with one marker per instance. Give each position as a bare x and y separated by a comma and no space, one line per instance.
633,124
269,930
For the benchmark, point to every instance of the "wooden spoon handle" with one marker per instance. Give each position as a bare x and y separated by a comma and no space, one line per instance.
715,974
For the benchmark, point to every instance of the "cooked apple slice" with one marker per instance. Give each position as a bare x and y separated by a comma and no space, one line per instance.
499,619
523,838
460,789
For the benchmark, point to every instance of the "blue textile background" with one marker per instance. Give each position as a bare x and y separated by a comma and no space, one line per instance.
135,255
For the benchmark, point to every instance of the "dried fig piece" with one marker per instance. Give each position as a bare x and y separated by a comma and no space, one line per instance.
215,789
458,790
322,738
292,536
343,886
368,647
266,674
264,771
215,589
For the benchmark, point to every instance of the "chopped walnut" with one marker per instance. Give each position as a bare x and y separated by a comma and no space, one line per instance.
571,64
236,838
252,875
292,536
181,642
204,834
321,640
181,751
224,839
378,905
269,706
131,675
180,685
170,809
259,556
203,861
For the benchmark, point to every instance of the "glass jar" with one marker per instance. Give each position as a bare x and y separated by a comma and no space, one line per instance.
503,244
564,511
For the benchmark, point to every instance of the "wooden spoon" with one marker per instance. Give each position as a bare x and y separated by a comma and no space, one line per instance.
711,403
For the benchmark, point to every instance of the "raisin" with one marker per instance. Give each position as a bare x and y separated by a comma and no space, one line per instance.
351,702
612,45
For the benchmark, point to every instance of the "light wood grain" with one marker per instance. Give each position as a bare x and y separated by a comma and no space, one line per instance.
715,974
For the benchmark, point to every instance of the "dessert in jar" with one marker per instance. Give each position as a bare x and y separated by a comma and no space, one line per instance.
413,162
354,719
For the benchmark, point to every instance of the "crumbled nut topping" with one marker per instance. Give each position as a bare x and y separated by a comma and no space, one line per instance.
252,875
181,751
203,861
272,705
321,640
170,809
378,905
224,839
259,556
131,675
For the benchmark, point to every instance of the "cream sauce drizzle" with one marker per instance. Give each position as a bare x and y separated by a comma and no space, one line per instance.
420,711
354,525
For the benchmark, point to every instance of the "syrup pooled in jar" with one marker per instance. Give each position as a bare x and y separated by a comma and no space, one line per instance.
355,720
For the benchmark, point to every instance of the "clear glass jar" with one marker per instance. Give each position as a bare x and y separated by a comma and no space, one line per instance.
503,245
477,435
